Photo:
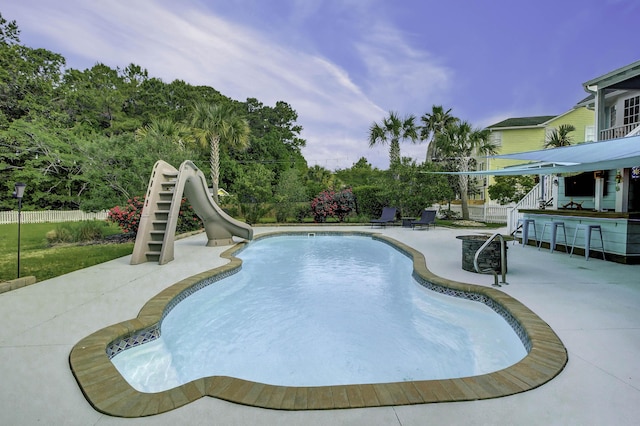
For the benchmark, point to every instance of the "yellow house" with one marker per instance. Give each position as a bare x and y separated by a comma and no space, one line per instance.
530,133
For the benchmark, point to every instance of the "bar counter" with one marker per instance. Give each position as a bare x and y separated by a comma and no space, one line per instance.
620,232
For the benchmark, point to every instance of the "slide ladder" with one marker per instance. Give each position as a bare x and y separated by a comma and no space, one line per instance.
159,218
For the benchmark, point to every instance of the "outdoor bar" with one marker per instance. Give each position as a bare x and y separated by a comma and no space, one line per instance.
591,192
620,232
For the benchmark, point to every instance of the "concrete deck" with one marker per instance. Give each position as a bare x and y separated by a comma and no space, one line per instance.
593,306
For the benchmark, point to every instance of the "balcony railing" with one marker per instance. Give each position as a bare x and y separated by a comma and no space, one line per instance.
617,132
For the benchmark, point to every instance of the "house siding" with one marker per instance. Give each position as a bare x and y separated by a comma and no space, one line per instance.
580,118
533,138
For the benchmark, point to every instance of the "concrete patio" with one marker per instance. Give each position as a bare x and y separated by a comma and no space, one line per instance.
594,307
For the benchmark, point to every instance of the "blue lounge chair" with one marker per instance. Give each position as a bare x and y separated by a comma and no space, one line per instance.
388,215
427,218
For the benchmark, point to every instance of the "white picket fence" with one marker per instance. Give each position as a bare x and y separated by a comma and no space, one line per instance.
43,216
489,213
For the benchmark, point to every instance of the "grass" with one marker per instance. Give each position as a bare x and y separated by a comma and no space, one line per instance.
43,261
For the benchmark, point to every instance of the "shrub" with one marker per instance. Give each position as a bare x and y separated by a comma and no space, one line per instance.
72,233
252,212
61,234
510,189
302,212
127,217
323,206
447,214
88,230
188,220
332,204
345,203
370,200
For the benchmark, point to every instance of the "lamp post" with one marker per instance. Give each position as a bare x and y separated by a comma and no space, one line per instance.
19,193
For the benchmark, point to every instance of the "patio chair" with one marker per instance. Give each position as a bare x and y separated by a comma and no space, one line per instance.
427,218
388,215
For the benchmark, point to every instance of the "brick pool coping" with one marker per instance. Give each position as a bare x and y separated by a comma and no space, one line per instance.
108,392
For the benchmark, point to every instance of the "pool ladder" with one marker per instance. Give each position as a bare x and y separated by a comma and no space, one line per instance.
503,260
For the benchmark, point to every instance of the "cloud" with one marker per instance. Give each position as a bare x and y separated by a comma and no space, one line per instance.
401,77
191,43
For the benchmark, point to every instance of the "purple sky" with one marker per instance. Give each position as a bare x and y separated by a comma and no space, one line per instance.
344,64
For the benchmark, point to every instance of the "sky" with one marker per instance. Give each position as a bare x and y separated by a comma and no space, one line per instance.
344,64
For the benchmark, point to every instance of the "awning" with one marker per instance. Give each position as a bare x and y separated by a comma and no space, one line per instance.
589,156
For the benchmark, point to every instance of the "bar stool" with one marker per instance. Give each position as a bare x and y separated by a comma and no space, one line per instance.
525,230
554,231
587,239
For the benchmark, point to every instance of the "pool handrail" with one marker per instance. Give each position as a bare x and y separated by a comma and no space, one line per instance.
503,260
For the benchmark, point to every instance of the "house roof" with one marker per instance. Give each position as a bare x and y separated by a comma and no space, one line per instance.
604,155
522,122
627,77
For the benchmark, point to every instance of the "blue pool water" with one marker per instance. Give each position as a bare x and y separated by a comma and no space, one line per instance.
323,310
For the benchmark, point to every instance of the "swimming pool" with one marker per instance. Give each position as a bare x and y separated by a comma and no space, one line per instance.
320,311
108,392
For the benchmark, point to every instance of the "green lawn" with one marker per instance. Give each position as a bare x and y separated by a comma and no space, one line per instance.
43,261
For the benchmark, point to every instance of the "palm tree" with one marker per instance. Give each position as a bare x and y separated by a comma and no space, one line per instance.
560,136
460,143
392,130
214,124
167,129
434,123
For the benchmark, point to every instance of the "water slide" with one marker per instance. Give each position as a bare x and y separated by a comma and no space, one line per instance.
167,186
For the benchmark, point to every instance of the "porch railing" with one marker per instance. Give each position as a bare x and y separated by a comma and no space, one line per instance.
619,131
543,193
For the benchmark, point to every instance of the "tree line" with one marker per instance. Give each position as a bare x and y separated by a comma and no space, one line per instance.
88,139
453,144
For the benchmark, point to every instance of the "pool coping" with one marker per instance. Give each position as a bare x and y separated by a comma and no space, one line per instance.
108,392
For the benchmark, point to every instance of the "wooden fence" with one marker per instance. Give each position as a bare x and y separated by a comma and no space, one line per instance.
42,216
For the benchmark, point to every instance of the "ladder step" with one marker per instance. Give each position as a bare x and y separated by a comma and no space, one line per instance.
159,225
152,254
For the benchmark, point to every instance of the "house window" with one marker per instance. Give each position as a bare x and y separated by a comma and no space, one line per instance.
496,138
632,110
548,131
589,133
612,116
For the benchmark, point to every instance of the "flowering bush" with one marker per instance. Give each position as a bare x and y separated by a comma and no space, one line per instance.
345,203
188,220
323,206
332,204
127,217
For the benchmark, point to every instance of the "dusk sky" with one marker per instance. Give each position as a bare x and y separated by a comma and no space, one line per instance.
343,64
